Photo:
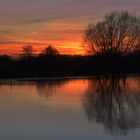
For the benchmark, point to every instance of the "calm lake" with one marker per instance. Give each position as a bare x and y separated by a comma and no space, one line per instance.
71,109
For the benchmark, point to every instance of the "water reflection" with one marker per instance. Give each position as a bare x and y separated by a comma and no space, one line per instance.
113,102
47,88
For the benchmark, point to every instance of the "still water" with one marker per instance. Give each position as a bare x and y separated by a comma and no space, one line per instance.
71,109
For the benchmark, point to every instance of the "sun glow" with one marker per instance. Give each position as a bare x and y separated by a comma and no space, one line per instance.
58,23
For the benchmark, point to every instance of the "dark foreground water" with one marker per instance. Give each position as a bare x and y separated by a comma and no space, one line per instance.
71,109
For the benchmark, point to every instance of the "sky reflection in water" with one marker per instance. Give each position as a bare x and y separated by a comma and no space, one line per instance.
91,108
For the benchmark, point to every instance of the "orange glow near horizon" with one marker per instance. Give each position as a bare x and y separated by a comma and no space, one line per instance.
16,49
60,23
67,40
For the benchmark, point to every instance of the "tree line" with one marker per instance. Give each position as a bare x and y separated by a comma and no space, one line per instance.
28,51
118,34
112,45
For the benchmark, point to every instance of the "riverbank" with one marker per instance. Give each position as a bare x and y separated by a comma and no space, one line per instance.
68,66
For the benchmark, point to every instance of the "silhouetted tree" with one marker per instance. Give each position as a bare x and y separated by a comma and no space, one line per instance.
119,32
50,51
28,51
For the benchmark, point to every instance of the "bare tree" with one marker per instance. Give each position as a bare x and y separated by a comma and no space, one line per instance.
119,32
50,51
28,51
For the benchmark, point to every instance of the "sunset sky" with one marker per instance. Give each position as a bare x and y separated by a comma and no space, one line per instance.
57,22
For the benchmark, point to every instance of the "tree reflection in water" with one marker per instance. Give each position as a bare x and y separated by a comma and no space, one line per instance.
112,102
47,88
44,88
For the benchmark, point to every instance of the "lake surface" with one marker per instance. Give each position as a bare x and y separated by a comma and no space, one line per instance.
71,109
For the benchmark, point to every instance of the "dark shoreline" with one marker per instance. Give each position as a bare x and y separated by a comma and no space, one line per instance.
69,66
37,79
